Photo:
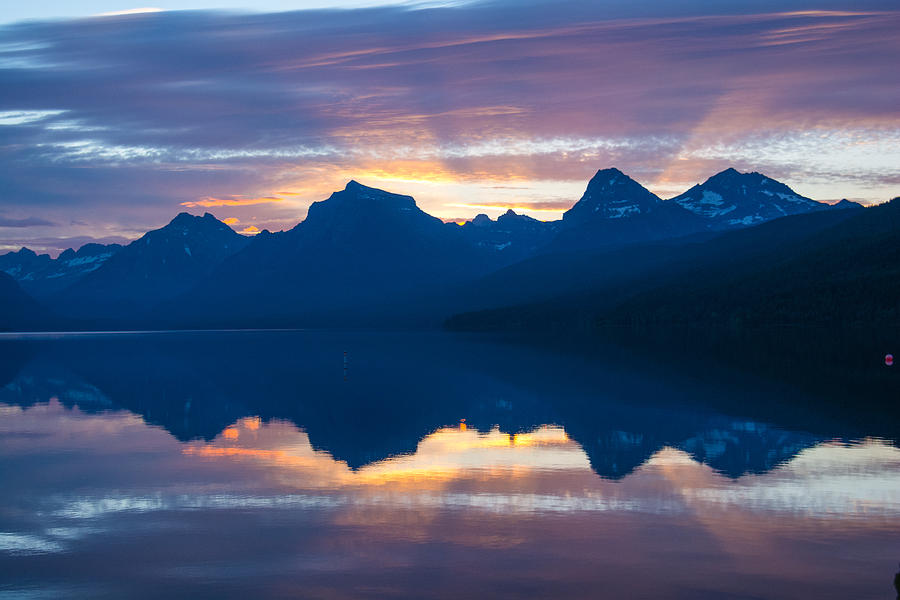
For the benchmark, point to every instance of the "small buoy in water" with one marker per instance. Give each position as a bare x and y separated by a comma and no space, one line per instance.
888,359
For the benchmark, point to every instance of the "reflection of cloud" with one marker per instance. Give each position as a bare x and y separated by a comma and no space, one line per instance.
529,497
462,467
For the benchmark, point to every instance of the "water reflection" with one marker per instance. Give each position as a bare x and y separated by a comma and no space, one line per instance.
246,465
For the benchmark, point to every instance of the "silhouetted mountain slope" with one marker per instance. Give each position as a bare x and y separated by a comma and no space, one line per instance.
160,265
360,253
18,310
591,293
513,236
575,286
849,273
732,199
24,263
369,257
42,276
616,210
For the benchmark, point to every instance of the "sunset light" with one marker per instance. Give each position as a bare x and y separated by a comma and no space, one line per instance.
471,299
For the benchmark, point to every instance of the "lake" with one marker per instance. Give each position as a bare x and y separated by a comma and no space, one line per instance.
302,464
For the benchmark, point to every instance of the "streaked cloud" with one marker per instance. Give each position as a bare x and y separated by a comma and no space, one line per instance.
25,222
233,201
123,120
130,11
554,206
22,117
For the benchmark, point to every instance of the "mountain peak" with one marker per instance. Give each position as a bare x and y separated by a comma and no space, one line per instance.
183,216
734,199
187,221
357,194
357,208
511,216
610,171
611,194
845,204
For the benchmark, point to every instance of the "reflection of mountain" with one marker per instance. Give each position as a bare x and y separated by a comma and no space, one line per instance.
400,388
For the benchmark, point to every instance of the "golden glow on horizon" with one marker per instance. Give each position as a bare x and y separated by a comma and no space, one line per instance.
504,207
235,200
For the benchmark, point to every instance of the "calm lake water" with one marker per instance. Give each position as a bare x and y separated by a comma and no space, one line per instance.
274,465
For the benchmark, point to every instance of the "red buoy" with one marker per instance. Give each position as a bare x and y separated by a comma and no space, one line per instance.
888,359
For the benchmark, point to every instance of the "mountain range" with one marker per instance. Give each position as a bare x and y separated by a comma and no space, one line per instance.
367,257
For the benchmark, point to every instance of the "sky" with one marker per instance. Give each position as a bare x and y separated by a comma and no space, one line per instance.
110,124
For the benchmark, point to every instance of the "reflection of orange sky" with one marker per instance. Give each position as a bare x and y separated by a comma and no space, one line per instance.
527,470
534,471
442,456
484,496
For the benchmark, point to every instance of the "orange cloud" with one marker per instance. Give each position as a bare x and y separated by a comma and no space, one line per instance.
251,230
209,201
231,221
545,206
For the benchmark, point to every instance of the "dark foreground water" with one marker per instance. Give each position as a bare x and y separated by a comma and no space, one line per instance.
266,465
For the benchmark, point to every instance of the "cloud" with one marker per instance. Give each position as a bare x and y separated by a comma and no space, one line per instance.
231,220
26,222
547,205
118,120
251,230
233,201
131,11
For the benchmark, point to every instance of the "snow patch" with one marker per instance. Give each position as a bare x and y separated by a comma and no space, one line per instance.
712,198
791,198
748,220
617,212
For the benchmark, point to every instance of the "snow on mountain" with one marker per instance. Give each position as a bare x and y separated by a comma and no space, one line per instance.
733,199
41,275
